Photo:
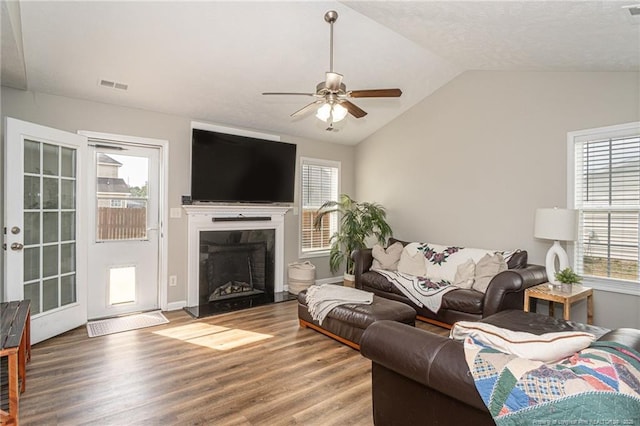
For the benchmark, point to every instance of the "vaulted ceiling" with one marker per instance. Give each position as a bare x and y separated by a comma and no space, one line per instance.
210,61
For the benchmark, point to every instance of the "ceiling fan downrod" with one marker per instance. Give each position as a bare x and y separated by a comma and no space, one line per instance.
331,17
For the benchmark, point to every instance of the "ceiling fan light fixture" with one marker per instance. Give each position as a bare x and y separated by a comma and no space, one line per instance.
331,113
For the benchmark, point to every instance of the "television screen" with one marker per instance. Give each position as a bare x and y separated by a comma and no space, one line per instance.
231,168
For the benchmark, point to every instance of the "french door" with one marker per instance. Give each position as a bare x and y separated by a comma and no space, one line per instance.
124,226
46,235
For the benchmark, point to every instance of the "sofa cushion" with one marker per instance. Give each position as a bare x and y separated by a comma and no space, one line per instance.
487,268
463,300
412,261
386,258
465,274
374,281
546,347
518,260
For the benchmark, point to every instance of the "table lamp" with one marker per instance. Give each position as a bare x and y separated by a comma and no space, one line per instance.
557,225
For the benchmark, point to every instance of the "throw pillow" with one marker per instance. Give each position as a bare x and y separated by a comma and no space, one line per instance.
412,261
386,258
546,347
518,260
487,268
465,274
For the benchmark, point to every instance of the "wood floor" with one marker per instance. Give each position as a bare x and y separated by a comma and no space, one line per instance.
253,367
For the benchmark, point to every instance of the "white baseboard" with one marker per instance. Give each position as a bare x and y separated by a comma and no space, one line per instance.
331,280
174,306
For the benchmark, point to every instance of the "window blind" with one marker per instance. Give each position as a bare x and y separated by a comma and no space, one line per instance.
319,184
607,196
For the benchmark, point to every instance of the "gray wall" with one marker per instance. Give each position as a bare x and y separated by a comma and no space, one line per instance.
74,114
470,164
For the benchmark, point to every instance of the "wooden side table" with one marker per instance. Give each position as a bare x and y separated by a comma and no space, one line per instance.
15,344
578,292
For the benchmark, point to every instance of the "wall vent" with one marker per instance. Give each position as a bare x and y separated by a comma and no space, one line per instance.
634,9
113,84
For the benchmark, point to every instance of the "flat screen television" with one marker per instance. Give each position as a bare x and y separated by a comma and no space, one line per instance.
241,169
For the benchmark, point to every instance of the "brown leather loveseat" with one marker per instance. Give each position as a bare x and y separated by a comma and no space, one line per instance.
422,378
505,291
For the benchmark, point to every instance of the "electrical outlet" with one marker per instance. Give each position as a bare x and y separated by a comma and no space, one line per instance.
173,281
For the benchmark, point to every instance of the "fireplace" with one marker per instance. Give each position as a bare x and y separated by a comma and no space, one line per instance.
235,257
235,264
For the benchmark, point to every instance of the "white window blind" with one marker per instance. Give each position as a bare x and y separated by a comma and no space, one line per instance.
319,184
607,196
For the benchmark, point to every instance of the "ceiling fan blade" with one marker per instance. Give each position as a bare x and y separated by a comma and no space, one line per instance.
308,108
376,93
288,93
353,109
333,81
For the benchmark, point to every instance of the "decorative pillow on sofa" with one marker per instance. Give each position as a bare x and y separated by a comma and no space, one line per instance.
487,268
517,260
546,347
465,274
412,261
386,258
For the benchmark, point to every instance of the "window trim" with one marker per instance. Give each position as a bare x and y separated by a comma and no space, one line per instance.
620,130
318,162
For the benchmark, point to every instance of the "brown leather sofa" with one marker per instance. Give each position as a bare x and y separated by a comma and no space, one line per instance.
505,291
421,378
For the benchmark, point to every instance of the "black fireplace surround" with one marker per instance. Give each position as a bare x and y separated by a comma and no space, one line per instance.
236,271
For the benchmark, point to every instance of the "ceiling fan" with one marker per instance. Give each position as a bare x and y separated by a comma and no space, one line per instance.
332,103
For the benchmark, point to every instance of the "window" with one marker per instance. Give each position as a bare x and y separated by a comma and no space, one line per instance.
319,184
606,192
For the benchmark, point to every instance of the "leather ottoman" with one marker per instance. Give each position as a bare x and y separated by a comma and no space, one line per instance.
347,323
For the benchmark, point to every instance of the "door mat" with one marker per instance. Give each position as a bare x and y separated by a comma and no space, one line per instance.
126,323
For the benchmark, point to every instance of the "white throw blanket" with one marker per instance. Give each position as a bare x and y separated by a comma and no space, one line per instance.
419,290
321,299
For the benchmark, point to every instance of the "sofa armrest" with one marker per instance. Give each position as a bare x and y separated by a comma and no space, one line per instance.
500,294
362,260
431,360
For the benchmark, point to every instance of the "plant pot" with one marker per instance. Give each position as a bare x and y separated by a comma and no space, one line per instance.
349,280
566,287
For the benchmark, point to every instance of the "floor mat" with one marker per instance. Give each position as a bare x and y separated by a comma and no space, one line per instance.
126,323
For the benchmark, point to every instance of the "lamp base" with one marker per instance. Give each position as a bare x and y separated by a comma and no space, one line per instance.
556,250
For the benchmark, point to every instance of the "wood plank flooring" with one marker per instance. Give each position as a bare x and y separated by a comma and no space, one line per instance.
252,367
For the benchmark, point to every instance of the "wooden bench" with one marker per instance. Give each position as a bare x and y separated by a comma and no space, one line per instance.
15,344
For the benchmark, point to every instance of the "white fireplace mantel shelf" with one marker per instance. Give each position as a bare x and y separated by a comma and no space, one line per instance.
201,218
235,210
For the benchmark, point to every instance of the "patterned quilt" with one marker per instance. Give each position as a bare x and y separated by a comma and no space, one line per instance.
599,385
420,290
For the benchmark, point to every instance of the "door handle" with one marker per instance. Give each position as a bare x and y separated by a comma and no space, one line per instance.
16,246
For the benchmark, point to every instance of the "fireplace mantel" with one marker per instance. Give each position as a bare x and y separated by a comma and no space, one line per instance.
202,217
231,210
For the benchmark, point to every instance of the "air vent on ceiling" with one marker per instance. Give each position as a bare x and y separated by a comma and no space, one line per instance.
634,9
113,84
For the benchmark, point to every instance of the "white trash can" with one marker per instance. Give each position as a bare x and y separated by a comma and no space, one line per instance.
301,276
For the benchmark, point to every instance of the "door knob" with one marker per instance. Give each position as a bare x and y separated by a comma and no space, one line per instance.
16,246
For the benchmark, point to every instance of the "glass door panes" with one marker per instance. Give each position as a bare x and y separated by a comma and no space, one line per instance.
49,272
122,196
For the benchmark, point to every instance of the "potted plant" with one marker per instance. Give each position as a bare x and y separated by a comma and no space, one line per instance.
358,221
567,278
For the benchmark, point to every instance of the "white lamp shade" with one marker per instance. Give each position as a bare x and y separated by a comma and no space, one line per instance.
331,113
339,112
556,224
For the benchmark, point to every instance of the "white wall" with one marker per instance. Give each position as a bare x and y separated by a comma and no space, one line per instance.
470,164
74,114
